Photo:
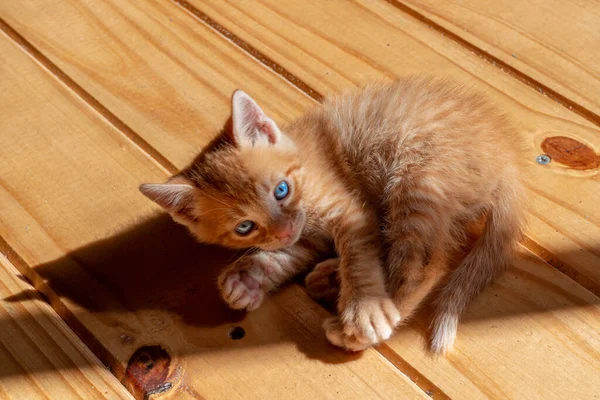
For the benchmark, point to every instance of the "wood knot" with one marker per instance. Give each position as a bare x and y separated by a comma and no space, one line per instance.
571,153
147,370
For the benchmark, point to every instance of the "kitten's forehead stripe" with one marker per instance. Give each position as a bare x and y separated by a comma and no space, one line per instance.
291,169
222,170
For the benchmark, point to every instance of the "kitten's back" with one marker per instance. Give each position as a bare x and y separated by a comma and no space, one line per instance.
421,126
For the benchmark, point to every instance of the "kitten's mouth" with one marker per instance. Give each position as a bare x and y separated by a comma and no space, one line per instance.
292,239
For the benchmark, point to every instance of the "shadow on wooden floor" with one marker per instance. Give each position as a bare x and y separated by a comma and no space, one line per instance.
157,265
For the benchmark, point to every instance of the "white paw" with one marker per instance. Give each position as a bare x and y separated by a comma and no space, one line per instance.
363,323
241,285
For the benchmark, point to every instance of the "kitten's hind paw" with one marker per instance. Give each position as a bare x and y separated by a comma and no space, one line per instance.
241,286
322,282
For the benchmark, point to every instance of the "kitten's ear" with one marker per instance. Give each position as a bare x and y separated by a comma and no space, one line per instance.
251,126
174,196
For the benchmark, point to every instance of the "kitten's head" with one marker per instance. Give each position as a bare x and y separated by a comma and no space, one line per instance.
244,190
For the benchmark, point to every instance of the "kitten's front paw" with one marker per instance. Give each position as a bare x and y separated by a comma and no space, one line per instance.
241,284
322,282
363,323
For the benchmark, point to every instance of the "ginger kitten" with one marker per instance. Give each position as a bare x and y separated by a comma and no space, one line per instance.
388,176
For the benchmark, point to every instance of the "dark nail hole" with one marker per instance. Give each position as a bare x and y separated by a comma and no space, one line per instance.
237,332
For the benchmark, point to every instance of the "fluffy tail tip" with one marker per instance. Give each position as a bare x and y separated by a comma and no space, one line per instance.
443,333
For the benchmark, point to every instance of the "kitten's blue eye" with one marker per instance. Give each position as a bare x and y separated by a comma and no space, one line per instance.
282,190
245,227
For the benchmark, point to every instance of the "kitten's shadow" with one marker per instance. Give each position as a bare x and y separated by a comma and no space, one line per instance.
156,265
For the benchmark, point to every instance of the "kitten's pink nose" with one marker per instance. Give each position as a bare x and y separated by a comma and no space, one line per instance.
285,233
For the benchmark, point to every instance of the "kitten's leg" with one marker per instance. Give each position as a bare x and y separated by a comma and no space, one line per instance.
244,284
322,283
411,293
367,313
417,255
418,230
407,297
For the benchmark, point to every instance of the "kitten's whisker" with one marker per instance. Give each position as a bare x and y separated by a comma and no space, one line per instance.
247,252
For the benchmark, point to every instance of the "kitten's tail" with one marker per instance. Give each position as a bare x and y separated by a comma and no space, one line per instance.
487,260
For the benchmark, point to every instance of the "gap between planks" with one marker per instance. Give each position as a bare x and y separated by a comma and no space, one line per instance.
251,50
498,63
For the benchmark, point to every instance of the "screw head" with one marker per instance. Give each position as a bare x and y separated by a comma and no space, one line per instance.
543,159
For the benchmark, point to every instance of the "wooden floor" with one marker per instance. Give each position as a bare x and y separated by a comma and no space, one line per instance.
99,96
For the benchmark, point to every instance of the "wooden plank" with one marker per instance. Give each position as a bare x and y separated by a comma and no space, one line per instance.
450,375
136,285
554,42
318,44
40,357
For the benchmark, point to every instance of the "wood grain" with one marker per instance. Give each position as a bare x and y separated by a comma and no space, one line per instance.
553,42
157,289
40,357
150,66
132,282
338,44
